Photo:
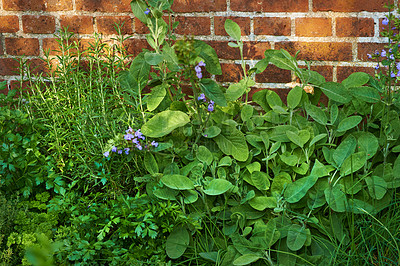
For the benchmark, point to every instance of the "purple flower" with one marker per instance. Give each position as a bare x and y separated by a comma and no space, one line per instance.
129,130
155,144
147,11
383,54
369,56
128,136
135,141
211,106
139,134
119,151
392,75
106,154
391,56
201,97
114,149
199,75
390,50
198,69
139,147
377,66
385,21
127,151
201,63
398,66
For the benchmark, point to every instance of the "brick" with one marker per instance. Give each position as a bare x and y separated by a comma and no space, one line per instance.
313,27
243,22
38,24
193,25
318,51
104,5
9,24
181,6
350,5
52,45
270,5
254,50
326,71
272,26
1,48
368,48
344,71
223,50
77,24
106,24
37,5
22,46
37,66
135,46
140,27
354,27
230,73
273,74
8,67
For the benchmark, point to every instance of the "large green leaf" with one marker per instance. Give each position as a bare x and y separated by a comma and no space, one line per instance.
178,182
260,180
300,138
235,91
163,123
213,91
137,77
344,150
283,61
367,94
138,9
153,59
294,97
336,198
232,142
356,80
377,186
297,190
316,113
177,242
353,163
156,97
204,155
297,237
210,57
217,187
261,203
368,143
233,29
246,259
150,163
166,193
336,92
349,123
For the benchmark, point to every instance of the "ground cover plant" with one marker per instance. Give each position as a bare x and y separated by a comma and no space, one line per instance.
152,162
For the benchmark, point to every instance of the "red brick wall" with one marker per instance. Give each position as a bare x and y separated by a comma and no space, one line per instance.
335,35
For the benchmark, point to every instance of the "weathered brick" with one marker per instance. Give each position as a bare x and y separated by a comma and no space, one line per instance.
272,26
344,71
37,66
9,24
1,48
223,50
318,51
38,24
313,27
135,46
8,67
22,46
37,5
140,27
368,48
273,74
270,5
350,5
230,73
78,24
254,50
326,71
106,24
104,5
243,22
181,6
53,46
193,25
354,27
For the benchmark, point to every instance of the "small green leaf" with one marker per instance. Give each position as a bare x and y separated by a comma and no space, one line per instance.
218,187
211,132
299,138
377,186
344,150
334,113
204,155
233,29
156,97
297,237
356,79
178,182
261,203
349,123
177,242
316,113
294,97
318,138
273,99
336,92
225,161
190,196
246,259
260,180
150,163
213,91
297,190
247,112
235,91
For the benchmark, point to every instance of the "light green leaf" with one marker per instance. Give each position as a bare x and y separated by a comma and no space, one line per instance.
356,80
213,91
204,155
261,203
225,161
247,112
353,163
210,57
297,237
156,97
368,143
232,142
260,180
138,8
316,113
163,123
377,186
190,196
177,242
235,91
318,138
319,169
294,97
299,138
349,123
344,150
178,182
334,113
297,190
218,187
153,59
289,159
233,29
279,182
246,259
150,163
367,94
336,92
273,99
166,193
211,132
336,198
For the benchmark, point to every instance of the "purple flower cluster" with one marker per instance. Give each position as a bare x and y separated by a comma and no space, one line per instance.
385,21
147,11
211,103
198,69
134,139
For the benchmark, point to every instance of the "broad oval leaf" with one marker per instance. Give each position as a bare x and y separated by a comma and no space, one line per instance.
356,79
150,163
153,59
211,132
353,163
367,94
210,57
232,142
233,29
377,186
163,123
260,180
204,155
165,193
178,182
155,97
246,259
190,196
297,190
235,91
213,91
368,143
336,198
316,113
294,97
177,242
336,92
296,237
261,203
349,123
344,150
218,187
299,138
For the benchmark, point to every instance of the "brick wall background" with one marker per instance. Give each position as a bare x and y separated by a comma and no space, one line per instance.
335,35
